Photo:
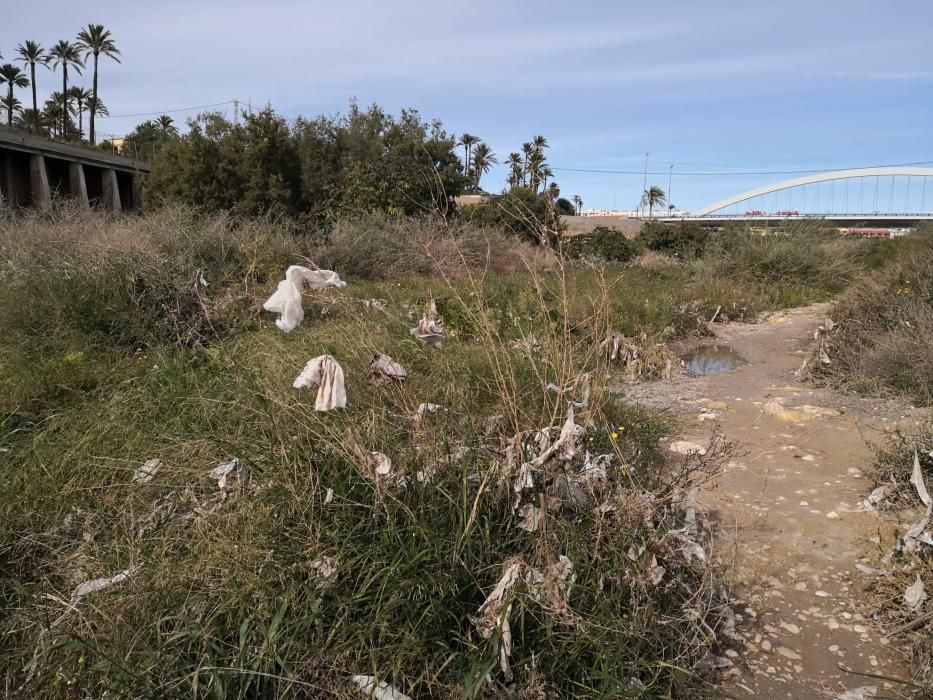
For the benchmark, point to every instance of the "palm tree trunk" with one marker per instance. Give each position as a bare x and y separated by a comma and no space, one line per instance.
9,105
93,109
64,100
35,104
80,120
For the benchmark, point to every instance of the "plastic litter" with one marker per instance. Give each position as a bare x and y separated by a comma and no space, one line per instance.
222,472
915,595
378,690
146,471
916,478
532,518
325,570
429,330
98,584
383,370
325,373
493,614
287,298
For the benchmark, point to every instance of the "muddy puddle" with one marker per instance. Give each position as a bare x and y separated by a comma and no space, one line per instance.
712,359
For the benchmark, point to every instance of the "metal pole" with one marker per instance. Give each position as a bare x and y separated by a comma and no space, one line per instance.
670,176
891,198
907,197
644,184
861,195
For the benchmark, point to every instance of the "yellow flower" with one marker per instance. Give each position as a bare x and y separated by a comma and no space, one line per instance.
591,439
615,435
622,428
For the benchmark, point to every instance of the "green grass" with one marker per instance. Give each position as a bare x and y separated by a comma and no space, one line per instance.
119,357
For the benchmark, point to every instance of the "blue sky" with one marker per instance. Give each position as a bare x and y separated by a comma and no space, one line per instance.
710,86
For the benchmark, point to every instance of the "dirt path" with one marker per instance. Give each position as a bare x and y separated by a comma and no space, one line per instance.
786,512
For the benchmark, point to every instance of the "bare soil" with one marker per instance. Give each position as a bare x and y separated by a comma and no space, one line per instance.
787,512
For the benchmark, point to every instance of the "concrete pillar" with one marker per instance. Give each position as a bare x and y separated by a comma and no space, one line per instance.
77,184
139,192
111,190
39,183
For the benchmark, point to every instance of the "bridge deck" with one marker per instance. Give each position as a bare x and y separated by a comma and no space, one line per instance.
78,154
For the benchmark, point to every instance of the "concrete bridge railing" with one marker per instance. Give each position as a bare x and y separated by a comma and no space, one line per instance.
33,170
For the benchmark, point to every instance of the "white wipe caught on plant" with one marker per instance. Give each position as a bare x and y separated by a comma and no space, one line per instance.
384,370
287,298
429,330
326,374
378,690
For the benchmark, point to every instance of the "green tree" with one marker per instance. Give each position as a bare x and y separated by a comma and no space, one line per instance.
12,106
553,191
565,207
521,212
31,53
468,141
32,121
528,151
95,41
64,55
515,169
81,96
14,78
578,203
652,197
56,117
483,160
166,125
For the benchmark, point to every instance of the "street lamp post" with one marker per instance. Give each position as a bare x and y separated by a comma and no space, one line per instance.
670,176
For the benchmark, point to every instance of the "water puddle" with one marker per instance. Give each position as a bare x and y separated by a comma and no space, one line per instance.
712,359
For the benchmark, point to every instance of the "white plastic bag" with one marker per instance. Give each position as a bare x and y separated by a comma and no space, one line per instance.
287,298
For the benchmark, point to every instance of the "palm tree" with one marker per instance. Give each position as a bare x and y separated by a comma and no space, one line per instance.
468,141
65,54
13,77
12,106
56,116
515,169
553,191
578,203
166,125
94,41
546,172
527,152
653,196
31,53
539,143
33,122
99,106
483,160
82,97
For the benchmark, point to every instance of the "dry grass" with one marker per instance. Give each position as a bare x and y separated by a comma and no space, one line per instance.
226,598
885,321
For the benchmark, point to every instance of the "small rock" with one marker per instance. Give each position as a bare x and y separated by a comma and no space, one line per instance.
789,654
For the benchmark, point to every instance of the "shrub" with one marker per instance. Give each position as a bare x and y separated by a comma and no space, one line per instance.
885,322
602,243
685,240
379,248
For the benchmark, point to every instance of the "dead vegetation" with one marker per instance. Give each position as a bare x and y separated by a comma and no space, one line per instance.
483,518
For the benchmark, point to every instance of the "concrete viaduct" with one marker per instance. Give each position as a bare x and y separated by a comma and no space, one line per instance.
33,170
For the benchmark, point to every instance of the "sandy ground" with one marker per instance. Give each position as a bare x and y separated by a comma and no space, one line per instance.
785,512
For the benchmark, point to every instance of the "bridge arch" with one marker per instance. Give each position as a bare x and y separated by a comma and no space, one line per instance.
896,171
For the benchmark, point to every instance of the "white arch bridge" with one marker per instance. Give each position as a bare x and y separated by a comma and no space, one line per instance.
890,194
